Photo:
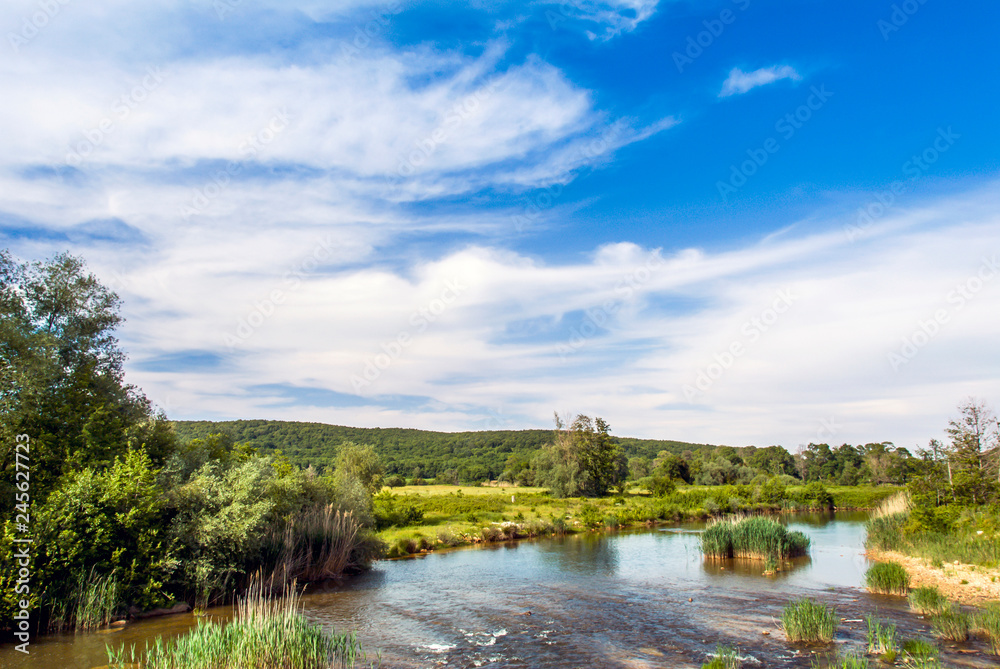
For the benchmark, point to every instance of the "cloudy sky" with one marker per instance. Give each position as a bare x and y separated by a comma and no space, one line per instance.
724,221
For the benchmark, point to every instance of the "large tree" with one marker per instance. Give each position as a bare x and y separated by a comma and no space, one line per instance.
974,452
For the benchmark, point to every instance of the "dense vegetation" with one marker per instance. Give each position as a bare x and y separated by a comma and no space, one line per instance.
449,457
121,512
952,509
754,538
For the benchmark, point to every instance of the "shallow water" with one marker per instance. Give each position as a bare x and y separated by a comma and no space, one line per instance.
595,600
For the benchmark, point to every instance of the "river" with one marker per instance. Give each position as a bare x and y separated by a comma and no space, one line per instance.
633,599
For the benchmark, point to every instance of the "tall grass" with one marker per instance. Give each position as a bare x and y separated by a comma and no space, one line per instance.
919,654
987,622
881,637
266,634
805,620
852,661
726,657
94,603
927,601
315,545
755,537
951,623
887,578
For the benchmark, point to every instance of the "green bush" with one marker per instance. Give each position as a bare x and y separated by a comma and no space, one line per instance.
887,578
805,620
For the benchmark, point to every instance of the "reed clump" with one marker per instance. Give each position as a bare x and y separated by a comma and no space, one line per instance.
920,654
987,623
952,623
725,657
265,634
881,637
95,602
927,600
852,661
806,620
887,578
755,537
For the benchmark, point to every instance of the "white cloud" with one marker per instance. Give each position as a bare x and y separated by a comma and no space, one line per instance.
739,82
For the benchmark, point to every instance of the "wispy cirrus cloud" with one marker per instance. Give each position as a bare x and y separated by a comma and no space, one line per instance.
739,82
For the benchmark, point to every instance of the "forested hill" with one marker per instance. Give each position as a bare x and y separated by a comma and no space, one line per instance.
471,455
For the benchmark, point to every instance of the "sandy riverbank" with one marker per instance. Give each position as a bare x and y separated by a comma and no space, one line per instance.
982,585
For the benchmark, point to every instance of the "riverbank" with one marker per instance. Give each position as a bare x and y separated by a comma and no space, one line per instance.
449,516
964,583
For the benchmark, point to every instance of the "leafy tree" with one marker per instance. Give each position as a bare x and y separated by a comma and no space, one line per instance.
363,463
974,452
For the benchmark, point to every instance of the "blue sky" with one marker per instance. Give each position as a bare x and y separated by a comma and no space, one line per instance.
741,222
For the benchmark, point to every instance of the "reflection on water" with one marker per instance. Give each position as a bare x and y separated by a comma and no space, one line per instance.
589,600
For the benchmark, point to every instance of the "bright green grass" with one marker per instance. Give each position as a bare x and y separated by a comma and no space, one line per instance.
887,578
726,657
806,620
987,622
755,538
927,601
881,637
952,623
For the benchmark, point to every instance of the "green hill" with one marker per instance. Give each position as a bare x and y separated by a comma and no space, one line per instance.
473,456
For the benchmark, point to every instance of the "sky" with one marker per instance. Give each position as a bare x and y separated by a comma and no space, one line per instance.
741,222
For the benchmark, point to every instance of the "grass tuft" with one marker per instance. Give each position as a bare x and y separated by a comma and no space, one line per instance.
881,637
887,578
805,620
755,537
927,601
987,622
952,623
725,657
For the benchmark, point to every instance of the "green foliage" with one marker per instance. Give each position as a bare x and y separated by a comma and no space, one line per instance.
99,523
921,654
394,511
987,622
361,462
395,481
805,620
952,623
887,578
661,486
725,657
264,635
881,637
755,537
927,600
851,661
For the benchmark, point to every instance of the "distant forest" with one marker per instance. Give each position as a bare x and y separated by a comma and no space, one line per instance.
467,456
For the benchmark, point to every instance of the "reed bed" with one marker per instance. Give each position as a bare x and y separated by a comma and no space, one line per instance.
881,637
987,623
927,601
315,545
887,578
725,657
754,537
952,623
94,603
265,634
806,620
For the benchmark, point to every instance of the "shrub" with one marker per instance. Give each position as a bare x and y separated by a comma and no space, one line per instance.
887,578
755,537
987,622
927,601
952,624
395,481
805,620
